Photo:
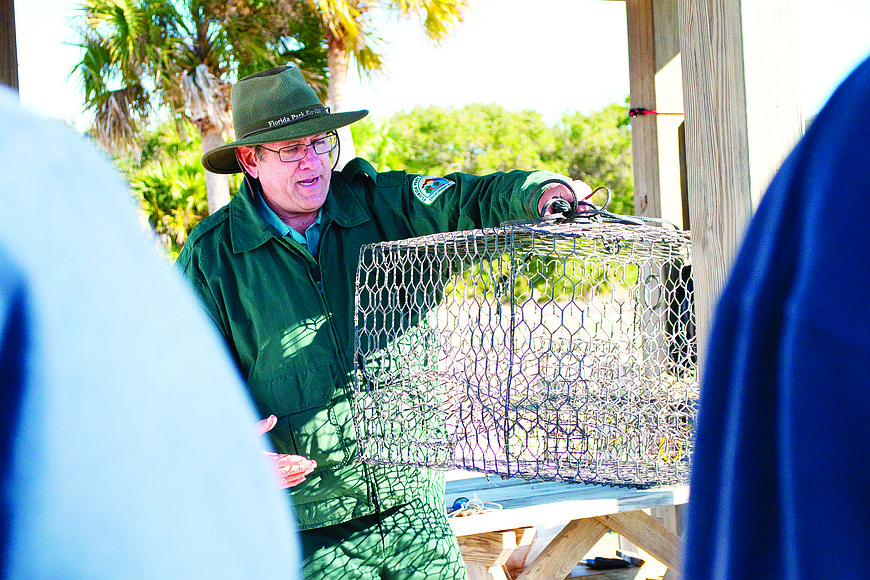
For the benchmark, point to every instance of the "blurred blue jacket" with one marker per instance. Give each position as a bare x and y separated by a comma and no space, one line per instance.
128,444
779,480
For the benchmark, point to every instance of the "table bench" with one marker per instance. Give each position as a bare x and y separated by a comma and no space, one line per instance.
494,543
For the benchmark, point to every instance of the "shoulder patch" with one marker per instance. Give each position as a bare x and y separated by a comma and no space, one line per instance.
428,189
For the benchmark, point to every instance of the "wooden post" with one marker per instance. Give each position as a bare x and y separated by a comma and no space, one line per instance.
742,119
642,93
655,74
8,49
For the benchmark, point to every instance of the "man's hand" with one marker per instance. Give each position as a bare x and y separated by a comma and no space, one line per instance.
581,190
291,469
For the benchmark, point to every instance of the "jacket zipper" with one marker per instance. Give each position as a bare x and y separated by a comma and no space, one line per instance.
346,369
371,478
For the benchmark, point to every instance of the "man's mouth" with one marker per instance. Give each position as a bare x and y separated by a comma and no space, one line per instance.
311,181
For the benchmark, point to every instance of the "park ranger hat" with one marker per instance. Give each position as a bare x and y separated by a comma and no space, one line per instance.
270,106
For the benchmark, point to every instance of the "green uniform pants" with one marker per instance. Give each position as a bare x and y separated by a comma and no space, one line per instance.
410,542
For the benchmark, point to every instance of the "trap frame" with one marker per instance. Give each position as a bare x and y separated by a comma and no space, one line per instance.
553,350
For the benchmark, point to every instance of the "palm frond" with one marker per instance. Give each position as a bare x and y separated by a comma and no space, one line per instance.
442,17
341,19
93,70
121,28
438,17
118,118
368,60
206,98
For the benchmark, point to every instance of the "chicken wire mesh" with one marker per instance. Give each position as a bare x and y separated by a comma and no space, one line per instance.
551,350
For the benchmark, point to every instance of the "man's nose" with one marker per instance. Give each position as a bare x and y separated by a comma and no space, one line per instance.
311,158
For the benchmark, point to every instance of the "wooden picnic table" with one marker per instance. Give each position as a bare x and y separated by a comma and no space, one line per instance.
494,542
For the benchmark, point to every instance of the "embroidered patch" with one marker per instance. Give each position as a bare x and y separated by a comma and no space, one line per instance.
428,189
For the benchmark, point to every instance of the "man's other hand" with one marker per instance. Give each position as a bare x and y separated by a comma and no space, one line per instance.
291,469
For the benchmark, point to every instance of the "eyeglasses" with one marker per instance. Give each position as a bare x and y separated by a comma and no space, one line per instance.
298,152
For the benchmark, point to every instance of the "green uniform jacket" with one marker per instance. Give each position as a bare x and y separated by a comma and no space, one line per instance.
289,319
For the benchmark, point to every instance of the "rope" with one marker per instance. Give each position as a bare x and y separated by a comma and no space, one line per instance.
641,111
464,507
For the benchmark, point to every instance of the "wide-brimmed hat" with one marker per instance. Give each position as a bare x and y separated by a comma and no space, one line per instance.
270,106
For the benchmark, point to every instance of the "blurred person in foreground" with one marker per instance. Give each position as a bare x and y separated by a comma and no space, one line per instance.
276,268
127,440
779,472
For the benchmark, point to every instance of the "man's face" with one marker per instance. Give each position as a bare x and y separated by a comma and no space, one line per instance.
296,187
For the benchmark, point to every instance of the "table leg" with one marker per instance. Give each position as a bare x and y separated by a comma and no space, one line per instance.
495,555
565,550
645,531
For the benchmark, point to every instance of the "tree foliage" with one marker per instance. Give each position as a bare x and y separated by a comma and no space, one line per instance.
168,183
475,139
350,30
479,139
597,149
180,57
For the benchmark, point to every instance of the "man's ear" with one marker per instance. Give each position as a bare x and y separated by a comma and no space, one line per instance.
247,158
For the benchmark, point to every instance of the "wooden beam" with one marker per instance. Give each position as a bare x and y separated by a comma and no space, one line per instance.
487,548
655,75
8,45
651,536
742,119
565,550
500,554
642,93
516,562
669,99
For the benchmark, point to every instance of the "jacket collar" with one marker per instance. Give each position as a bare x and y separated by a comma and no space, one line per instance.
249,231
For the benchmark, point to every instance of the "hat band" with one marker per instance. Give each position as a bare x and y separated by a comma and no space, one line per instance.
283,120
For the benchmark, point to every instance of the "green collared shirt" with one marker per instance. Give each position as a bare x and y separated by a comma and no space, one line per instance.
310,240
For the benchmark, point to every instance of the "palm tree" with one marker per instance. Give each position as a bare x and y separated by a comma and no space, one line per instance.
180,56
348,30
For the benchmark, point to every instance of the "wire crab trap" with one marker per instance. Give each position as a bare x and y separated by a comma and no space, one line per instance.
559,350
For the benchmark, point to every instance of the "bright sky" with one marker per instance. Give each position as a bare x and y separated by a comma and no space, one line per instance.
562,55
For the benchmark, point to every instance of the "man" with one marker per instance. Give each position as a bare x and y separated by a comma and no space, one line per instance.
276,270
126,439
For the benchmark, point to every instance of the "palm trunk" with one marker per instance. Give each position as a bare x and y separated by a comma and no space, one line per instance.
217,186
337,62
